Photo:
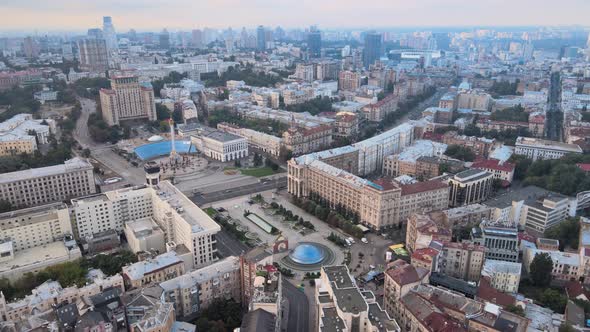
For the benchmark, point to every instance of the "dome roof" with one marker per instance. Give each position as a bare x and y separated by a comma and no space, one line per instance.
307,253
155,138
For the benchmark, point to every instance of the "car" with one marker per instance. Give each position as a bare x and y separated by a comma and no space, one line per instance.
227,191
364,240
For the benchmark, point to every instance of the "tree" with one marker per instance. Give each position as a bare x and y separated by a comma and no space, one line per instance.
566,327
515,309
5,206
567,232
86,153
460,152
554,299
541,268
162,112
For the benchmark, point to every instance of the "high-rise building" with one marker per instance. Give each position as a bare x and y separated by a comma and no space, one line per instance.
95,33
314,43
372,49
260,38
164,40
109,33
93,55
197,38
127,99
31,47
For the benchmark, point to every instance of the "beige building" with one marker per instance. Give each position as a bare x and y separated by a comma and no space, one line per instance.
422,230
159,318
220,145
406,162
566,266
477,101
94,56
462,260
503,276
342,306
469,187
128,99
196,290
400,278
535,148
44,297
36,226
423,197
144,235
182,221
349,80
378,111
258,140
153,270
50,184
301,140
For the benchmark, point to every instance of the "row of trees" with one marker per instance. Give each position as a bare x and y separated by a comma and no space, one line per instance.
173,77
559,175
248,75
314,106
503,88
321,209
507,136
540,276
515,113
460,152
100,131
289,216
19,100
271,127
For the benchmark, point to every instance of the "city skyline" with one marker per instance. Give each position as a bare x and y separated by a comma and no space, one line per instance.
69,15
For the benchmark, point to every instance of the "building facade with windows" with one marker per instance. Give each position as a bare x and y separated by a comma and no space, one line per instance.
127,99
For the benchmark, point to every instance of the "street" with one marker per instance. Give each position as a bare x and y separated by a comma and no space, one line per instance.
298,308
220,195
227,245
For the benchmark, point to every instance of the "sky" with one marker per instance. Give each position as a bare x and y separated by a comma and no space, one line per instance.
188,14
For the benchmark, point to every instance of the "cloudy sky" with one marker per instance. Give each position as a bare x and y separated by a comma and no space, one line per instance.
173,14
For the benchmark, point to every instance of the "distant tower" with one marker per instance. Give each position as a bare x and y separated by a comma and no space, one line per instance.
110,35
173,153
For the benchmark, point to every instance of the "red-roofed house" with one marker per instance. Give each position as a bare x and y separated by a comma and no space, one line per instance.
501,170
584,167
575,290
486,292
400,278
425,258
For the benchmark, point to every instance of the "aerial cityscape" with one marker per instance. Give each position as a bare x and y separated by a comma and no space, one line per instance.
183,166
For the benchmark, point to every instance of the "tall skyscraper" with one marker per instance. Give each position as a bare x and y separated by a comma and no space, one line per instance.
260,38
127,99
197,38
93,55
372,49
244,38
164,40
31,47
108,30
95,33
314,43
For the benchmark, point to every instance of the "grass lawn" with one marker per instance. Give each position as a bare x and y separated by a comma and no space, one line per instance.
210,211
258,172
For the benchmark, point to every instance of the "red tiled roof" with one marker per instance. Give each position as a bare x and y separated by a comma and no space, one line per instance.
418,187
584,167
403,273
424,254
439,322
494,164
485,291
386,183
433,136
574,289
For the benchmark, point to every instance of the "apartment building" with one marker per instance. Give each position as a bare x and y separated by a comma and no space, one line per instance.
127,99
426,306
50,184
158,269
566,266
400,278
45,296
422,197
342,306
481,146
36,226
503,276
196,290
252,263
536,148
470,186
349,80
461,260
500,237
301,140
503,171
378,111
94,56
474,100
10,79
405,163
182,221
423,229
159,318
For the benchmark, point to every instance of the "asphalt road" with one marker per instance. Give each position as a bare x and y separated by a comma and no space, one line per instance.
298,308
221,195
227,245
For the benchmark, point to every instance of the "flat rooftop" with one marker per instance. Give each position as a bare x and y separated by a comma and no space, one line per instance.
223,136
137,270
528,193
492,266
217,269
546,144
72,165
36,255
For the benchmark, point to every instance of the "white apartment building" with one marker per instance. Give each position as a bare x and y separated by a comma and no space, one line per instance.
196,290
50,184
128,99
504,276
35,226
181,220
535,148
220,145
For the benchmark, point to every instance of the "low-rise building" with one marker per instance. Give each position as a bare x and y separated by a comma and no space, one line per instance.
220,145
153,270
461,260
144,235
535,148
503,171
566,266
22,134
196,290
266,143
400,278
423,229
503,276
